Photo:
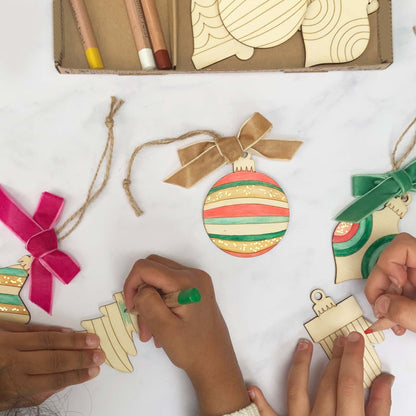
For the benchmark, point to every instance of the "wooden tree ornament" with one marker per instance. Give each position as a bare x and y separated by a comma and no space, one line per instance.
12,279
115,329
336,320
246,213
212,41
357,246
336,31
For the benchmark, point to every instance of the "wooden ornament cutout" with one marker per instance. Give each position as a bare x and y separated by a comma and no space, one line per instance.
246,213
357,246
115,329
262,24
335,320
336,31
12,279
212,41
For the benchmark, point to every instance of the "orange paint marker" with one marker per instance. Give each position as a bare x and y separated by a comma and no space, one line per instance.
87,34
156,34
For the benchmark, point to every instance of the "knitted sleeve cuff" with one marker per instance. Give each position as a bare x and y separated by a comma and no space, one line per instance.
248,411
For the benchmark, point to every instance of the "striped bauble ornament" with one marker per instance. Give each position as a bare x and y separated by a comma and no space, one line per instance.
246,213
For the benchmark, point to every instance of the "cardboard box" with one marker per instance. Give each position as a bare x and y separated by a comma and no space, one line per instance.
111,25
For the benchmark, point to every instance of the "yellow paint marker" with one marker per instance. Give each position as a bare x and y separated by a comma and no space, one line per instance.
87,34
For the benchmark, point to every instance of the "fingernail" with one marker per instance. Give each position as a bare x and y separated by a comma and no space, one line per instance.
92,341
98,358
382,305
93,372
394,281
67,330
303,344
340,341
251,393
354,337
391,379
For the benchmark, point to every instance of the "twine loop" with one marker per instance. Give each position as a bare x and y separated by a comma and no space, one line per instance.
109,122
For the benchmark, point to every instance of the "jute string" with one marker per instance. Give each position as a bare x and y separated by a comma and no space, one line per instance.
397,163
73,221
160,142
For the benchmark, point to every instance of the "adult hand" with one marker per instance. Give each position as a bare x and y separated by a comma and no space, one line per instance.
37,361
340,391
391,286
194,336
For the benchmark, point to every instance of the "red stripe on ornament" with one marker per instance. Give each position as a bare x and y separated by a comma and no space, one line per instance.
245,176
257,253
342,238
246,210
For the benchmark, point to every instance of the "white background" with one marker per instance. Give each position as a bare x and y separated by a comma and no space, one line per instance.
52,131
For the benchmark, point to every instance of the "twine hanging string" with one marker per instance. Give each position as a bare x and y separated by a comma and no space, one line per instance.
73,221
397,163
160,142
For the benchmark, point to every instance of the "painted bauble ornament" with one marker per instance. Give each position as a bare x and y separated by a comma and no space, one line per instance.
246,213
262,24
357,246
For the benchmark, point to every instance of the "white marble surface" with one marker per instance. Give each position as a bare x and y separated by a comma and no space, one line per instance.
52,130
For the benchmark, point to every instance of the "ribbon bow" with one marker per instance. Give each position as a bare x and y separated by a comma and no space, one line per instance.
41,241
376,190
200,159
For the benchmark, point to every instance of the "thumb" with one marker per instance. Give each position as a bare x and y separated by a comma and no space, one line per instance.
257,397
399,309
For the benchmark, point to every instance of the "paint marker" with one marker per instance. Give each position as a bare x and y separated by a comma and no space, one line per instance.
156,34
87,34
140,33
179,298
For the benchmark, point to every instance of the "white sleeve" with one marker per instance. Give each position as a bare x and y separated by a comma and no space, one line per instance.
248,411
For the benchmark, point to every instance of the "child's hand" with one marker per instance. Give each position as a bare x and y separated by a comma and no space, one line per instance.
391,286
340,390
194,336
37,361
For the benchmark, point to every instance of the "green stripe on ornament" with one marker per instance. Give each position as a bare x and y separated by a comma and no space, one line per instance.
257,237
10,299
10,271
373,253
246,220
357,241
243,183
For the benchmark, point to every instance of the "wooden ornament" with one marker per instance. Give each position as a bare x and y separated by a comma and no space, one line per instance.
115,329
12,279
246,213
212,41
336,31
336,320
357,246
262,24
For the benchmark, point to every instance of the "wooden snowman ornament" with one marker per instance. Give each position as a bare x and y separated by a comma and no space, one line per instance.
246,213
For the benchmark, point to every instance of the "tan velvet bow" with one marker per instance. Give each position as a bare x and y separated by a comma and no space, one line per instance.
200,159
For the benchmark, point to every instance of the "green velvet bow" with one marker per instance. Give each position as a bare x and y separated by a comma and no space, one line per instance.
376,190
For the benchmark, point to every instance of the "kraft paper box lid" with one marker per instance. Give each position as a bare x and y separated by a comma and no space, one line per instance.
112,29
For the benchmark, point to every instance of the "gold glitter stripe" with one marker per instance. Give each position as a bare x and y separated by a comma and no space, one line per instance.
12,280
13,309
246,191
246,246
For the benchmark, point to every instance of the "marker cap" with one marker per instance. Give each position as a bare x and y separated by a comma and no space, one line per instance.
189,296
94,58
147,60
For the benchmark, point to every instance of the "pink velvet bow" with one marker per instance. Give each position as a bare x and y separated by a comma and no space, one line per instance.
41,241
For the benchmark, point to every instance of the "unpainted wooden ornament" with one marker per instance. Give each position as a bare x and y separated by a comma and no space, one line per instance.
262,24
336,320
246,213
336,31
212,41
357,246
115,329
12,279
